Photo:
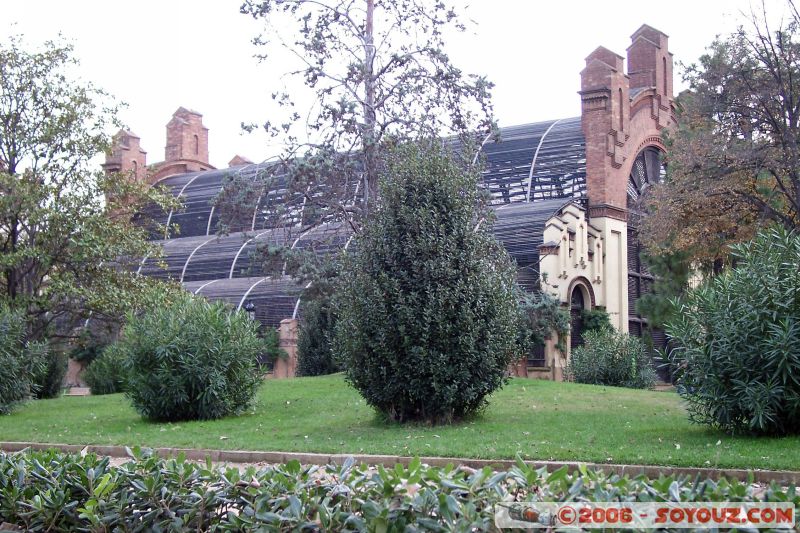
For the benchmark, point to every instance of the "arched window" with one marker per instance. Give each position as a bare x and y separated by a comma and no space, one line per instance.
135,168
666,80
621,111
196,145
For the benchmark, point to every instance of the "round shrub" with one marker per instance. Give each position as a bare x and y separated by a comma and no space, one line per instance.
191,360
427,307
736,340
613,358
106,373
314,353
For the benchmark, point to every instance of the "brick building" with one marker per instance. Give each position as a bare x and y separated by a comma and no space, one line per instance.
565,193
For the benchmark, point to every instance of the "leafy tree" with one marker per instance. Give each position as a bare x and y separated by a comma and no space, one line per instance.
427,308
541,316
737,340
66,235
671,272
734,160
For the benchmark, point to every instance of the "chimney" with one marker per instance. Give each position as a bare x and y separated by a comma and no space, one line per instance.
126,156
187,137
605,116
650,62
239,160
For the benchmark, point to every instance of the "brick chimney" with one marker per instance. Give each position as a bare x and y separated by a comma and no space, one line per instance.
605,103
187,137
126,156
650,61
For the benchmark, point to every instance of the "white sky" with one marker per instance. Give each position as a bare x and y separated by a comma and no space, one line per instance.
157,55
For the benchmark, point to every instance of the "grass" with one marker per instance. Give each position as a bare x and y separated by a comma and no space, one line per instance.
536,419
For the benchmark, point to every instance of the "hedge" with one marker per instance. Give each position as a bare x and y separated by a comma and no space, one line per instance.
51,491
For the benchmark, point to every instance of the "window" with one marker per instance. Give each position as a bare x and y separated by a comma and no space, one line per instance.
621,111
196,145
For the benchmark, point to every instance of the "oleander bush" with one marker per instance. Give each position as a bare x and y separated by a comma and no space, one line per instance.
609,357
736,340
50,491
106,374
190,359
49,370
19,360
427,307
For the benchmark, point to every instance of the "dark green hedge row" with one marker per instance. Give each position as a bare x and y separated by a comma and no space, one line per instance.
50,491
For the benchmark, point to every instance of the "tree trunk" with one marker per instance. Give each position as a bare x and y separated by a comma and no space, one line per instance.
368,135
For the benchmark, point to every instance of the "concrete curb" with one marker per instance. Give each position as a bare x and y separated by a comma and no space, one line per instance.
236,456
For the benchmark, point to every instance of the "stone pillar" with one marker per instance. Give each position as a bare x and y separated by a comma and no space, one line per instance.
74,376
286,367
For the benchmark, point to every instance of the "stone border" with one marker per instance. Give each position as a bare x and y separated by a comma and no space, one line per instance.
236,456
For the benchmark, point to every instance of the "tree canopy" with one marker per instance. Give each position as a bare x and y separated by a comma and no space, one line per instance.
734,160
66,234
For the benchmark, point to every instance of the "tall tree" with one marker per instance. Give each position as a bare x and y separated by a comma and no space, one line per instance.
734,160
376,69
65,227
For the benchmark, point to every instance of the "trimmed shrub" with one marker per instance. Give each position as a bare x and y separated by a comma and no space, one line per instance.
736,339
314,351
49,370
191,360
50,491
608,357
106,373
427,306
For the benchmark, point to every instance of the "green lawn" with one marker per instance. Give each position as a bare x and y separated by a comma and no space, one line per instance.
537,419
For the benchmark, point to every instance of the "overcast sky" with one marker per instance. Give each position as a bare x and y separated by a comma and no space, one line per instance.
157,55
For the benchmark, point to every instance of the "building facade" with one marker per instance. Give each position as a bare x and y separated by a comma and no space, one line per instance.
566,194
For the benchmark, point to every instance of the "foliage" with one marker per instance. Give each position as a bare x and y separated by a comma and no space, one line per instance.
613,358
50,491
50,367
191,359
15,378
106,374
733,157
427,307
314,350
541,316
737,340
65,225
671,272
595,319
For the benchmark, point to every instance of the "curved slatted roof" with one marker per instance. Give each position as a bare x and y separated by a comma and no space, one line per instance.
531,171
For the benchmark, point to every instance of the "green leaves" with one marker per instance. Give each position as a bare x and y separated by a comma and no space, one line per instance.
427,303
190,359
737,340
608,357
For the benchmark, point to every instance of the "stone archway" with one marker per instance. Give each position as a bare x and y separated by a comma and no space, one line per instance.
581,298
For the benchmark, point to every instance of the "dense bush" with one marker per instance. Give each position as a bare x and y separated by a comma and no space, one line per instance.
541,317
49,491
427,307
49,370
191,359
15,365
314,350
595,319
106,374
608,357
737,340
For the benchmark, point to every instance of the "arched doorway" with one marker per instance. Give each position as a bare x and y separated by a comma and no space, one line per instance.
576,307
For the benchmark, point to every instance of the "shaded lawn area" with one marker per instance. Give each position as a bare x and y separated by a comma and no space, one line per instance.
536,419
